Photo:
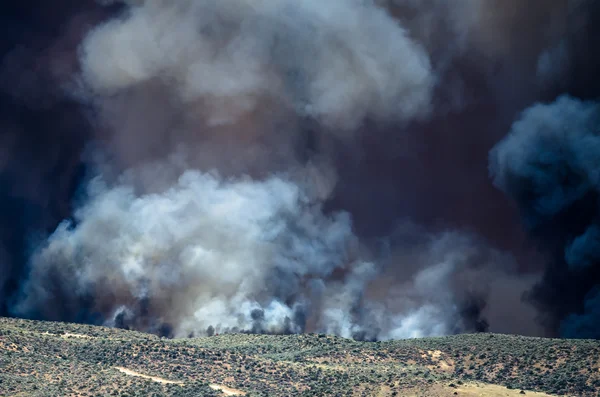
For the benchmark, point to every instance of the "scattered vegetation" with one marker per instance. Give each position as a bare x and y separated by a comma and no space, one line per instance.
58,359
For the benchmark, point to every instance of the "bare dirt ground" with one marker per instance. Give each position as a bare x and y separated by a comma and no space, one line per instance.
477,390
227,390
153,378
68,335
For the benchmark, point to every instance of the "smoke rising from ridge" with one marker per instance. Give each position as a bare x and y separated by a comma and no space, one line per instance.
247,255
212,67
549,164
283,166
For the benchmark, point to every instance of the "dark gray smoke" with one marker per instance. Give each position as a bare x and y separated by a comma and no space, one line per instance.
550,165
278,166
42,130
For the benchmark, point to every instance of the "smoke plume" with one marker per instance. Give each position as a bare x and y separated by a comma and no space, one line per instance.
337,63
276,166
549,165
254,256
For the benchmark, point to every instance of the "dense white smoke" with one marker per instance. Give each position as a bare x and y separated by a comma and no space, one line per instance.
247,255
337,62
212,251
205,218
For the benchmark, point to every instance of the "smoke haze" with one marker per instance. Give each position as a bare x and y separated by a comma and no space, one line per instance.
191,167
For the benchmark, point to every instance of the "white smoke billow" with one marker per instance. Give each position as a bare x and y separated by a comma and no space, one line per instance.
233,235
337,61
216,250
239,255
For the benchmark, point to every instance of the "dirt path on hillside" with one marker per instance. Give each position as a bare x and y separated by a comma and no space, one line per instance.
68,335
226,390
154,378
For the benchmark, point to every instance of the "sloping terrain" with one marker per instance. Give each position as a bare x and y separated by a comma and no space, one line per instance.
58,359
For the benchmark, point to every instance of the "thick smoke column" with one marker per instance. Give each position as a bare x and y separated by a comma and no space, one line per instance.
168,249
550,165
282,166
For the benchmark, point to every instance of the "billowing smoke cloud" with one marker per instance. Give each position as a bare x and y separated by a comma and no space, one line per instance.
453,281
233,254
283,166
337,63
204,252
549,165
255,256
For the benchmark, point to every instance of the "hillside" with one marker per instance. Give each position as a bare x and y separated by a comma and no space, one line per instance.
58,359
